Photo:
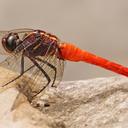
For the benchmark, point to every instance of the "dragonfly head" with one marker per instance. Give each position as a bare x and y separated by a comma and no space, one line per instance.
10,42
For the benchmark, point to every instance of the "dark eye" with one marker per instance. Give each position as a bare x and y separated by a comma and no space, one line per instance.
10,42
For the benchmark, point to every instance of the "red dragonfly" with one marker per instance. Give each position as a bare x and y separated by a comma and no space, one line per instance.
41,55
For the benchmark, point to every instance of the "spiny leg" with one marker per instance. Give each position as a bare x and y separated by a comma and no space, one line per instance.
51,66
22,64
45,74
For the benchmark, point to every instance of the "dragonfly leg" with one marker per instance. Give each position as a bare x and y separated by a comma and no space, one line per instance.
45,74
22,65
21,73
51,66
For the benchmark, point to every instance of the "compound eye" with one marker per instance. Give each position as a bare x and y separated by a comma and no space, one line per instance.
10,42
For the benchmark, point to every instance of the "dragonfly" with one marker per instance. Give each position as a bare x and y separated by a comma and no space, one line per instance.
41,56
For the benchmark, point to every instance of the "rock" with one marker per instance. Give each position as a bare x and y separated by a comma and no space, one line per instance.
95,103
17,112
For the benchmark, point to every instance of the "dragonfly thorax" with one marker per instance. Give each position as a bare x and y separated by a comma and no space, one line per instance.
35,43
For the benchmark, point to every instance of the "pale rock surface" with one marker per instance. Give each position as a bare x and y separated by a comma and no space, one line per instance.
95,103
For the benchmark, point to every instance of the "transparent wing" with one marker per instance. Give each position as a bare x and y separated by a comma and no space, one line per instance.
14,68
33,81
21,32
47,71
52,66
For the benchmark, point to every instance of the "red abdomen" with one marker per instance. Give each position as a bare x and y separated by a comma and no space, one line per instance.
72,53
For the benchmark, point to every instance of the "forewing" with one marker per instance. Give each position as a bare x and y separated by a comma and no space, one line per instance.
22,32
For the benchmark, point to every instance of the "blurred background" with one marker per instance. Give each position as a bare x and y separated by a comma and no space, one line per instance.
98,26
